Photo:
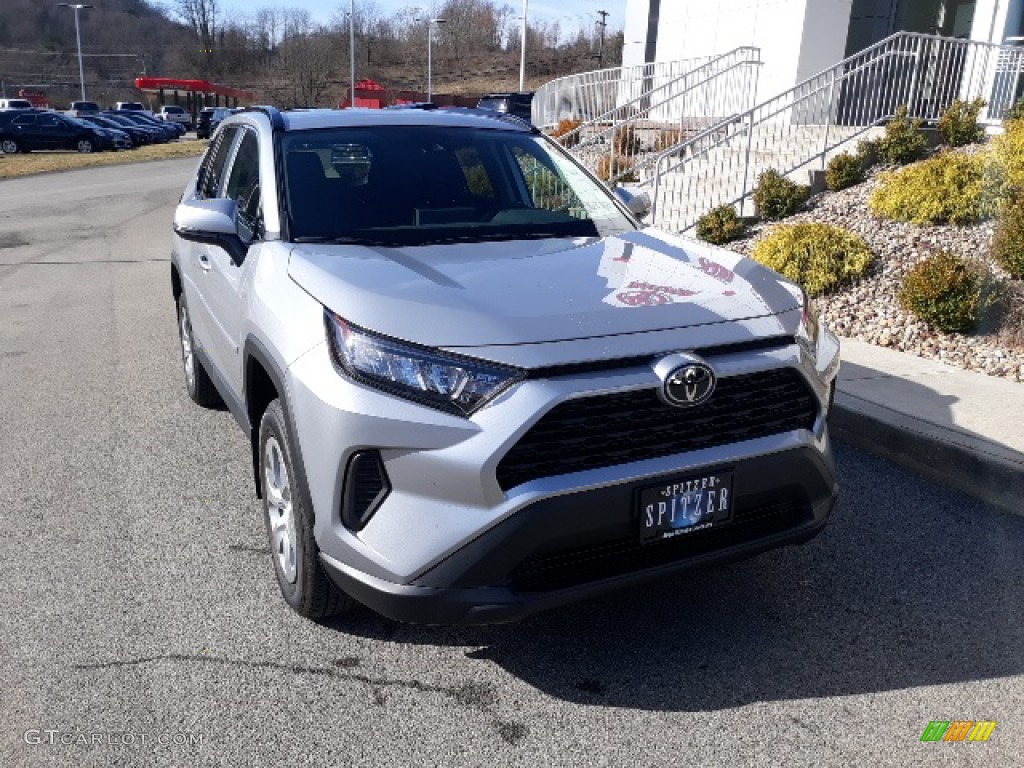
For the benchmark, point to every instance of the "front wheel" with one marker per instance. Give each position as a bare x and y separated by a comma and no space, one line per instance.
293,549
197,381
85,146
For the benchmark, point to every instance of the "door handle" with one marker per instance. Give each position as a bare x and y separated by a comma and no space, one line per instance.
204,262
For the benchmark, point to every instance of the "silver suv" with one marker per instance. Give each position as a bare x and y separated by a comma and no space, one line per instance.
473,384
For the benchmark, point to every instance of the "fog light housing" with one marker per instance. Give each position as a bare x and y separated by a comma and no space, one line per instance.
366,487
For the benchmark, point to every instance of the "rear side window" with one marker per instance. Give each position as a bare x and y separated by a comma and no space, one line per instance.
211,173
243,185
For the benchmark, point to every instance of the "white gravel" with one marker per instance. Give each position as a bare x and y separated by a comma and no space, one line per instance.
870,311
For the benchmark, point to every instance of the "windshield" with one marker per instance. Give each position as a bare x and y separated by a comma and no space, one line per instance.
399,185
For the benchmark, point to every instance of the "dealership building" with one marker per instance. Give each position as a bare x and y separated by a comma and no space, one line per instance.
799,38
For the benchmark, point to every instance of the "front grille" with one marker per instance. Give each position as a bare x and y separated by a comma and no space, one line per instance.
603,431
572,567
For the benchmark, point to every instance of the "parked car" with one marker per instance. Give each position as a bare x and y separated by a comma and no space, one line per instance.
37,129
517,104
170,129
109,138
492,391
174,114
136,136
165,131
132,106
208,120
15,104
152,134
81,108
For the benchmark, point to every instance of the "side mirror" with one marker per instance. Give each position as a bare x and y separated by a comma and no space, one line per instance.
211,222
635,199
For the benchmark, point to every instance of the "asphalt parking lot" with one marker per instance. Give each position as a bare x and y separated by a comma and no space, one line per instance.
142,624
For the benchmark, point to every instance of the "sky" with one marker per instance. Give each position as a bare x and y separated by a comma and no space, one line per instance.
570,14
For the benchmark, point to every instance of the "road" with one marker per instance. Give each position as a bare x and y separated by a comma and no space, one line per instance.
142,624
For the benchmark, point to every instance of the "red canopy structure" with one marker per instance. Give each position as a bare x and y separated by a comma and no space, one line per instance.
193,94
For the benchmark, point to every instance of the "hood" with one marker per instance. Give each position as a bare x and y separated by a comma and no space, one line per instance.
532,292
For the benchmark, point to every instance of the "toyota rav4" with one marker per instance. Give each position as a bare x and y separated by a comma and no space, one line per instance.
474,385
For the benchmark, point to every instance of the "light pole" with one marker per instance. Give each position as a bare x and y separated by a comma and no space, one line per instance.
430,39
522,50
78,36
352,49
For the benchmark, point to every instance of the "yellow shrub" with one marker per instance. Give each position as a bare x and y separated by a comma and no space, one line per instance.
820,257
949,188
1008,154
607,168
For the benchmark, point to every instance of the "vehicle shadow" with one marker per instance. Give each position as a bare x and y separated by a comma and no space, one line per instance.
909,585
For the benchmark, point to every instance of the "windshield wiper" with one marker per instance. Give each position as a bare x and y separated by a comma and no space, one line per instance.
341,240
481,237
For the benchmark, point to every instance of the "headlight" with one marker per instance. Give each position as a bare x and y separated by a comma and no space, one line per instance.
807,333
448,382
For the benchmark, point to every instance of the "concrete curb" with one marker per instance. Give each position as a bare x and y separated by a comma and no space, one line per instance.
973,465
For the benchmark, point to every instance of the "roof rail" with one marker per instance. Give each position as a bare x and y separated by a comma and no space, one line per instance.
276,121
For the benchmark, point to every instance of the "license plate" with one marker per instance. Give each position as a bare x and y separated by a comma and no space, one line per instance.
686,505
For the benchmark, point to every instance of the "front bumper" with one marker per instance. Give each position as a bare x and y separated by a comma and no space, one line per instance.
566,548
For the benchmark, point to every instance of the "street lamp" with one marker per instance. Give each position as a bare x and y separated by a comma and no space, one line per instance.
352,49
430,38
78,37
522,51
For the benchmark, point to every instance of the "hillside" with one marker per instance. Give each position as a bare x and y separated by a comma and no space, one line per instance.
281,54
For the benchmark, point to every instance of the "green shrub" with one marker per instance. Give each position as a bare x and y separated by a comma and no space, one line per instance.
868,153
949,188
1013,320
948,293
720,225
1008,155
958,125
1016,112
820,257
903,141
844,171
1008,240
776,197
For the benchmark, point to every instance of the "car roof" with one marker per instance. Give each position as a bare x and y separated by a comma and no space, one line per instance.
300,120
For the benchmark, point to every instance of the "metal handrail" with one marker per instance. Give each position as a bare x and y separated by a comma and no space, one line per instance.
808,122
623,140
589,93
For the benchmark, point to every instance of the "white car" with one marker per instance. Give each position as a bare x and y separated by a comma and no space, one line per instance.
174,114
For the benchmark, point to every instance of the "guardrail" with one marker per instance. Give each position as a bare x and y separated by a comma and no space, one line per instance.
625,139
808,123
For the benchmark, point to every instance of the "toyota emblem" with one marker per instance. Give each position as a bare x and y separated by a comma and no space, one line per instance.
689,385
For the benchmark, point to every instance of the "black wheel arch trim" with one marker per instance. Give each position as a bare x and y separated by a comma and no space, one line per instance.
255,349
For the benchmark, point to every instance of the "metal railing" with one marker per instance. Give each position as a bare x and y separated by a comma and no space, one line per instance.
620,143
802,127
585,96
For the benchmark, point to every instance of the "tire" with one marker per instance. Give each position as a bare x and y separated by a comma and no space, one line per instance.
10,147
293,550
198,383
85,146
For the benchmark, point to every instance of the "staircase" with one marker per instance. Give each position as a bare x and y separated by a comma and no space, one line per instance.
800,129
627,116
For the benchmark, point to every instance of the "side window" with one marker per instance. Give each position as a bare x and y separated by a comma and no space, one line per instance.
25,120
243,186
546,188
477,180
48,121
211,173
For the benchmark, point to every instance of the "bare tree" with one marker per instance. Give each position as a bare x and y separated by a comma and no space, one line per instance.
204,18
